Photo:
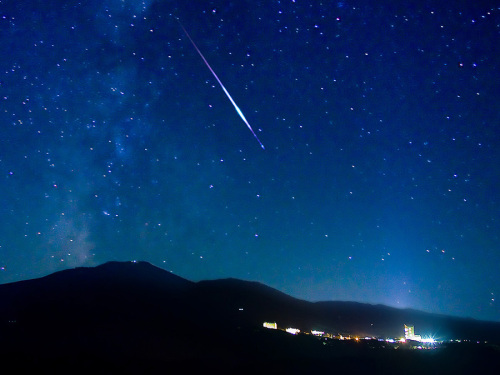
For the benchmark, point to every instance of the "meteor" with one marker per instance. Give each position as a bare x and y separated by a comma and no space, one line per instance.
221,85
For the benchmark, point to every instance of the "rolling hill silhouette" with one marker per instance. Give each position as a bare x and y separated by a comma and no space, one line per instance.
130,316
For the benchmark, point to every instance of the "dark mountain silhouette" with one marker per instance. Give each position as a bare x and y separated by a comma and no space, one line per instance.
130,316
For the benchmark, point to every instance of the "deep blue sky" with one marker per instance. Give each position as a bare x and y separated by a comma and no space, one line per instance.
379,182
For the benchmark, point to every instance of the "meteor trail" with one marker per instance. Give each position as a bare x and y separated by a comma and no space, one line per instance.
221,85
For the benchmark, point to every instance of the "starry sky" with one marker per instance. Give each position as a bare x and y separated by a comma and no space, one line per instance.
379,181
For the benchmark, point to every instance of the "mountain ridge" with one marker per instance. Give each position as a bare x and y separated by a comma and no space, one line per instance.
113,266
231,294
132,314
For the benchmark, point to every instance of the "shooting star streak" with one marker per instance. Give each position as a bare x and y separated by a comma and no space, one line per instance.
221,85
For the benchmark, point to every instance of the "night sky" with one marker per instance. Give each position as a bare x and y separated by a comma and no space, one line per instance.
379,181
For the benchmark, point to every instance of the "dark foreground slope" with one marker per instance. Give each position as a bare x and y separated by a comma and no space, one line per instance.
137,318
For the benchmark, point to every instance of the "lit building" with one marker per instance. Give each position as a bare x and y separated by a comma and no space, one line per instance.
317,333
409,331
270,325
410,334
293,331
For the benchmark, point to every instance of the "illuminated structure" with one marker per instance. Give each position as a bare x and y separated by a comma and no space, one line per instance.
409,331
410,334
317,333
293,331
270,325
